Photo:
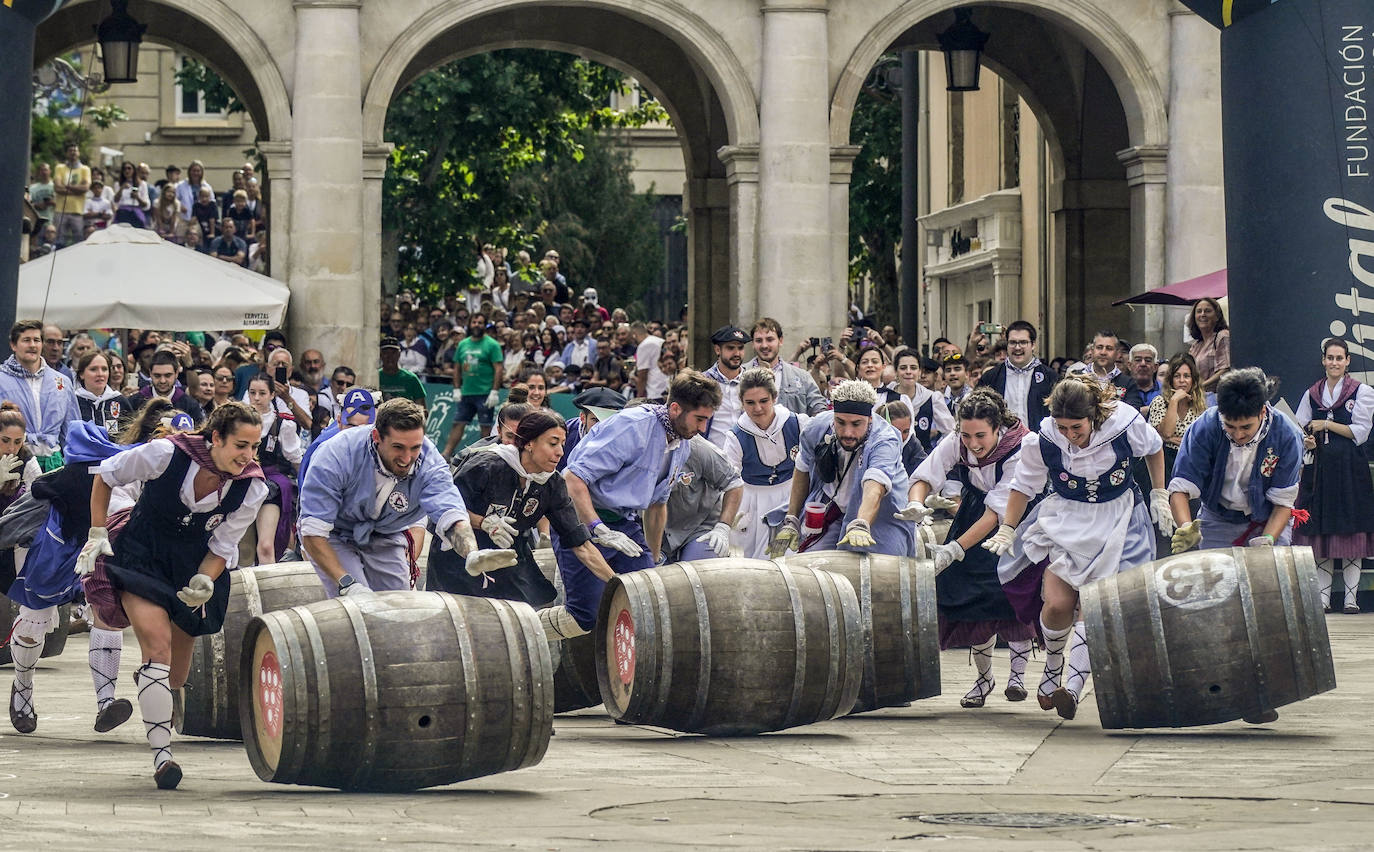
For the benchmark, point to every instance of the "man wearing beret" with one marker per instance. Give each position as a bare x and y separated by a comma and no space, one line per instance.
729,343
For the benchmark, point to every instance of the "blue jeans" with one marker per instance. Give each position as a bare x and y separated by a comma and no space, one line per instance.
581,588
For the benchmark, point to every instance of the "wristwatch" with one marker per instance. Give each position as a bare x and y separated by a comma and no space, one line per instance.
345,581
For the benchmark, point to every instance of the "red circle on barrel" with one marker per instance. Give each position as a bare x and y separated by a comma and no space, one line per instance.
269,694
625,647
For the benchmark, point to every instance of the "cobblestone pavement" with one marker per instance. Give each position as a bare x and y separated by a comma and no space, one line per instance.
878,781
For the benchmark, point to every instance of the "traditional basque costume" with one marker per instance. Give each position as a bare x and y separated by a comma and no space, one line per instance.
766,459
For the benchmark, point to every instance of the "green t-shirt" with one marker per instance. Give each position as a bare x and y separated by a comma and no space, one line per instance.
478,358
401,384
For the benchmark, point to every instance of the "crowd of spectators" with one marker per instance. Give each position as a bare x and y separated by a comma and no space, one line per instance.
73,200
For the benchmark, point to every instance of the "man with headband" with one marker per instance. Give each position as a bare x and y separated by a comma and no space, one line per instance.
850,468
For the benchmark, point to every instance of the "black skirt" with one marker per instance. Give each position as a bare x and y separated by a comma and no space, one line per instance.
1337,489
522,581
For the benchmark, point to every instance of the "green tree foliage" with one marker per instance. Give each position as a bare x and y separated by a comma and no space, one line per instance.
875,194
511,147
50,134
196,76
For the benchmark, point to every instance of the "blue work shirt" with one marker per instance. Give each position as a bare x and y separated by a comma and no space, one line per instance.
622,458
1200,469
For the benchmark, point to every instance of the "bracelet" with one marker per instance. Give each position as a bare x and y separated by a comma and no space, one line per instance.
591,527
1270,537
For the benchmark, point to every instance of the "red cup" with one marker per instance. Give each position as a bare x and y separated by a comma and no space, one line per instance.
813,518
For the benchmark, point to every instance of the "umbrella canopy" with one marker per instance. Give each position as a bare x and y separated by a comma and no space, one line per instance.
1212,284
126,277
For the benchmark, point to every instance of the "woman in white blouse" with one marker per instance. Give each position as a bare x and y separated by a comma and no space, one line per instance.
1336,489
280,456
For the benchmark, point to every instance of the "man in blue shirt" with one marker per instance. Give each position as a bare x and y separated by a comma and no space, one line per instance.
619,477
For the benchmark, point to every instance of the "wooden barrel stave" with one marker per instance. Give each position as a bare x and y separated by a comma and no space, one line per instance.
1207,637
731,646
211,696
399,691
900,623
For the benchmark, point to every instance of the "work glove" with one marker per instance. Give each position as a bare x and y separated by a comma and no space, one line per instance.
479,562
354,590
1000,541
545,542
199,590
946,555
914,511
97,545
501,530
1186,537
615,540
559,624
1260,541
493,399
718,539
1161,513
11,467
857,534
786,539
935,501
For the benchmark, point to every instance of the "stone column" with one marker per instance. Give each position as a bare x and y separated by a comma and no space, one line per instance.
375,159
797,282
1147,177
325,266
742,188
1196,225
277,155
841,170
708,265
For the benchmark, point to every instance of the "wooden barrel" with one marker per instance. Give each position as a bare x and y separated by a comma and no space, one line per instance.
211,698
56,640
1206,637
929,535
901,627
729,647
395,691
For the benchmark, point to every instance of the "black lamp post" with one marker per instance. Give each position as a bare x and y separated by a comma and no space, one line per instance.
963,46
119,36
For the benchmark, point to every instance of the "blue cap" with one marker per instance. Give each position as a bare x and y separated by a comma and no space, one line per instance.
182,422
359,401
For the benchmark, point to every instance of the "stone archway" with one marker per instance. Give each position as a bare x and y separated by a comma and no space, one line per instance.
680,59
1102,111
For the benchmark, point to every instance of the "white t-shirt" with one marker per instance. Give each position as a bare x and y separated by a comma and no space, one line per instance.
646,358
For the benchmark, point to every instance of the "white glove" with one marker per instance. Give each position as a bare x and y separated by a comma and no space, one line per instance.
935,501
857,534
1260,541
10,468
97,544
914,511
355,590
718,539
199,590
481,561
946,554
786,538
1186,537
460,538
501,530
1161,513
615,540
493,399
1001,541
545,542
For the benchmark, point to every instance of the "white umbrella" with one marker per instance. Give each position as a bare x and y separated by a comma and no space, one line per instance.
127,277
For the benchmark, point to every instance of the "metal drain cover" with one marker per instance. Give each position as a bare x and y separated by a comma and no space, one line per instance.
1031,819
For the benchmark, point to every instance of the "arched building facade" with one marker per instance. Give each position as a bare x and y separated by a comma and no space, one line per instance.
761,93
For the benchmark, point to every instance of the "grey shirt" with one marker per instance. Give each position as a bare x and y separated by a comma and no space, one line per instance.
694,504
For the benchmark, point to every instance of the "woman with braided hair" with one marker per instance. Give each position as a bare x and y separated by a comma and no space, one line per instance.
1095,522
974,611
166,574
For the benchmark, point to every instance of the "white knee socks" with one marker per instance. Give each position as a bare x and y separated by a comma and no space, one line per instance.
1020,655
1324,569
103,657
1079,666
155,702
24,652
1055,640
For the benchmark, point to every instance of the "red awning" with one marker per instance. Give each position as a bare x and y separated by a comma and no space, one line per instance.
1184,292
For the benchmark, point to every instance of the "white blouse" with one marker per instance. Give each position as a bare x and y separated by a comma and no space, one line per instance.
1090,462
140,464
1361,408
935,470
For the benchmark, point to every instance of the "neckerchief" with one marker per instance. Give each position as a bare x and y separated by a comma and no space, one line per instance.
666,421
198,449
1006,445
1348,388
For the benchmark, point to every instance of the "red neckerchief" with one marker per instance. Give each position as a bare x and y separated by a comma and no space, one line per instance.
198,449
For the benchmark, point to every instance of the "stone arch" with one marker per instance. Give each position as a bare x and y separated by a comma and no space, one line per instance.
699,42
1139,89
208,29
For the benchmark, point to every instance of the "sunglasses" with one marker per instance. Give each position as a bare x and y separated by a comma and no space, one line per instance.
224,378
340,383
